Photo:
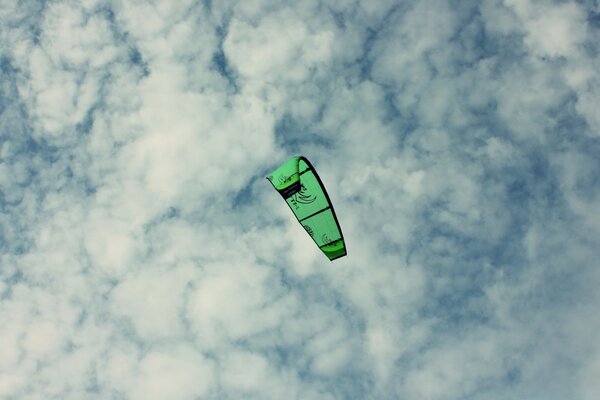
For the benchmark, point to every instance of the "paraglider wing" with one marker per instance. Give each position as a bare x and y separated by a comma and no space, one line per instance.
298,183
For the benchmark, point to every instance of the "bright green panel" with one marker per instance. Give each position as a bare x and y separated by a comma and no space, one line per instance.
302,166
286,175
322,228
298,183
310,199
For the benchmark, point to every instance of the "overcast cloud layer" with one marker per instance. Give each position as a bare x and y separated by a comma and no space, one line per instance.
144,255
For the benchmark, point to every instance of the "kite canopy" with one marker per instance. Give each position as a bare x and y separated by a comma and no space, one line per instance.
298,183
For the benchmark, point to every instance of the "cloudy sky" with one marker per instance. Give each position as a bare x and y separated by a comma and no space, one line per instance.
144,255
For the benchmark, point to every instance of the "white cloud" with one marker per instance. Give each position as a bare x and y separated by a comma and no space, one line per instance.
281,40
180,373
144,255
552,31
153,302
231,303
590,387
248,374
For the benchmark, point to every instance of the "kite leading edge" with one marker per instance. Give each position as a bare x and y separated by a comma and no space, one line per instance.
300,186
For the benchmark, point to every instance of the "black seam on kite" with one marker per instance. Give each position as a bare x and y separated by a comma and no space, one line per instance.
315,213
330,243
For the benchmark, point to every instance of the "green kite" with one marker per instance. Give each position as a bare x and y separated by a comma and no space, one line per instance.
300,186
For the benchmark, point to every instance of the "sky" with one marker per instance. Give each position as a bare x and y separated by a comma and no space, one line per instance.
145,256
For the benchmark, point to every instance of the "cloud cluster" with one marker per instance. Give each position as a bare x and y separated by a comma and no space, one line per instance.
144,256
